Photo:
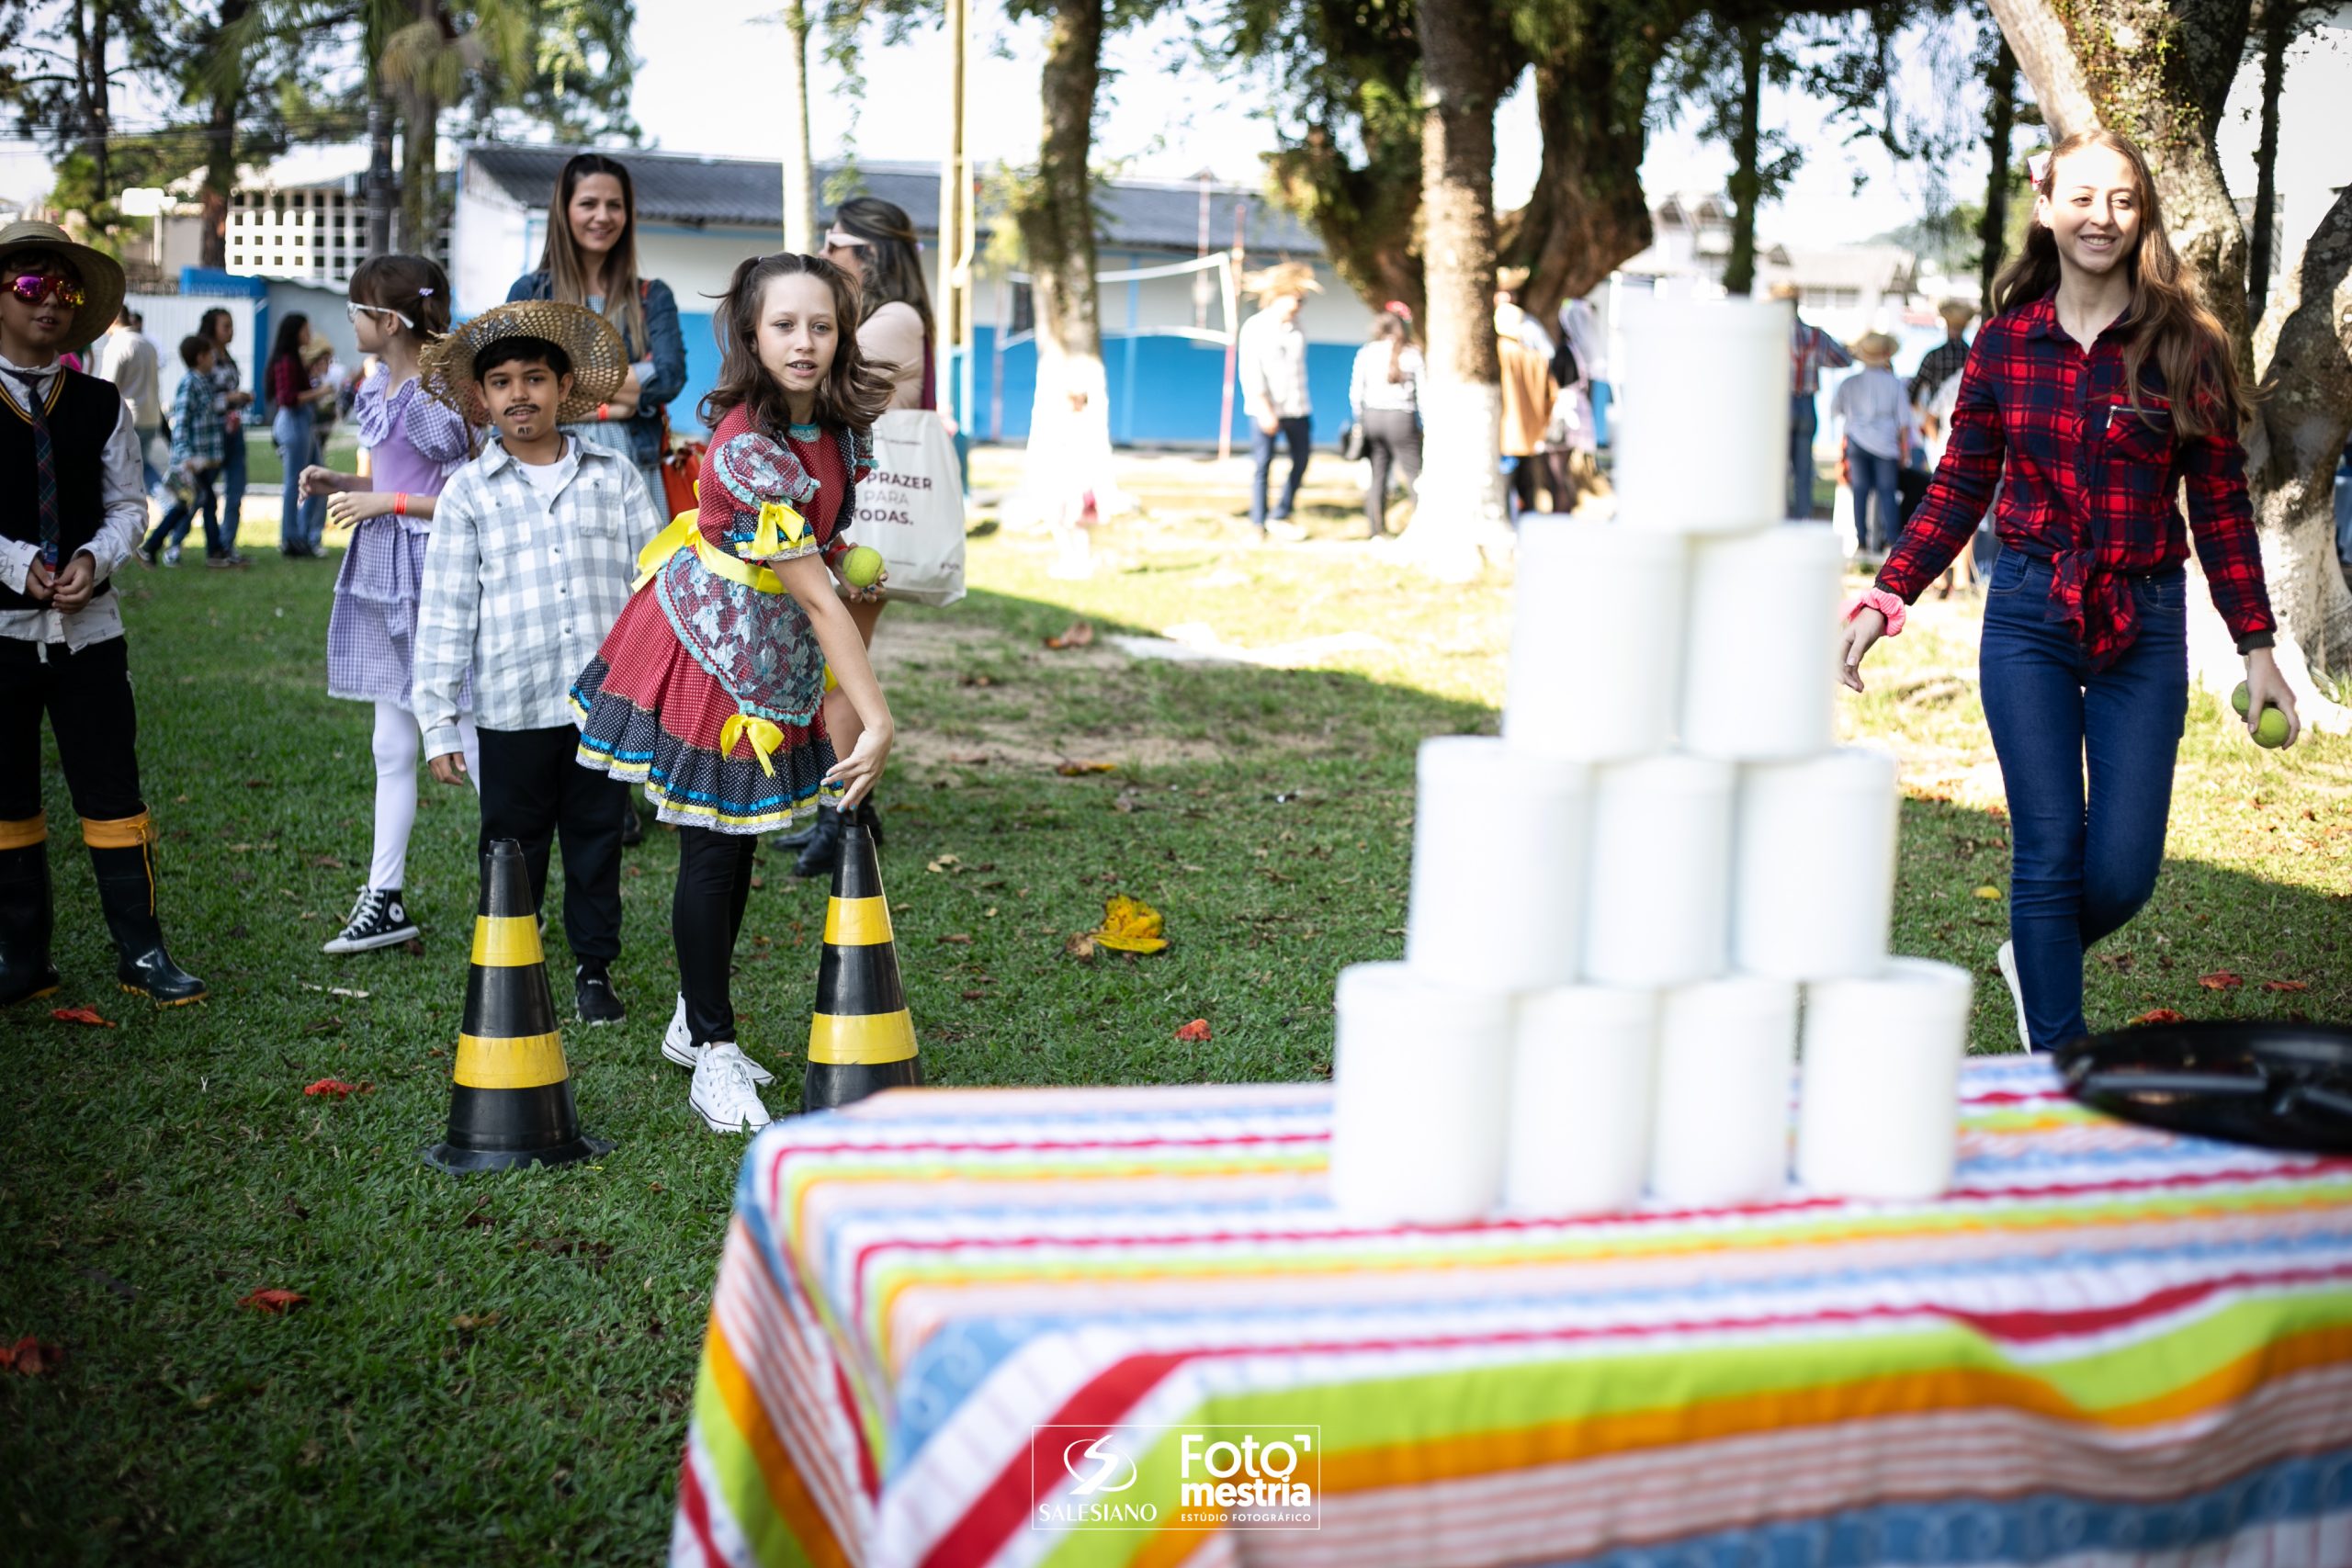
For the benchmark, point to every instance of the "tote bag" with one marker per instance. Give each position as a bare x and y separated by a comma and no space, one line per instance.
911,506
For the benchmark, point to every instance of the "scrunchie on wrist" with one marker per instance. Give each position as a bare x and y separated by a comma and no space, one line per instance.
1885,604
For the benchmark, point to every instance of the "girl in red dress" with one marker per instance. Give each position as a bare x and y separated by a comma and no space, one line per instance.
710,689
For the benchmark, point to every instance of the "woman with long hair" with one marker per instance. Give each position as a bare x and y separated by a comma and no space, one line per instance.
590,260
875,242
2108,390
294,426
1385,397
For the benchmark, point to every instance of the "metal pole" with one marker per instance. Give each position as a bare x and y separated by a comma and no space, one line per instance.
952,240
1232,331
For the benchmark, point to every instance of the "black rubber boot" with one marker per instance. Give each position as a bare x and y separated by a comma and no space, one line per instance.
823,849
869,816
632,825
127,894
25,969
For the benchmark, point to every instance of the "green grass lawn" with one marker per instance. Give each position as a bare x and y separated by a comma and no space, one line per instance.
497,1368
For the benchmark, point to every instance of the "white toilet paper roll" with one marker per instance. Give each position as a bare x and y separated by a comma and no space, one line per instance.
1420,1084
1702,420
1658,903
1499,848
1879,1114
1725,1059
1582,1070
1813,866
1596,640
1759,666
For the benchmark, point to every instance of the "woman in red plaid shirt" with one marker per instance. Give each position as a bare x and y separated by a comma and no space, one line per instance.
2106,390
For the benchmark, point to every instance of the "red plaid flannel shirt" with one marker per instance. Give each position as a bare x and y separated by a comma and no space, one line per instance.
2090,485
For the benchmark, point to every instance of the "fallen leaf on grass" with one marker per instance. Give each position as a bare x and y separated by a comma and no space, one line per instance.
467,1322
2160,1015
1080,633
336,1088
1130,925
1988,891
336,991
1079,769
274,1300
956,939
944,865
80,1015
28,1358
2221,980
1080,946
1193,1033
2284,985
413,947
326,863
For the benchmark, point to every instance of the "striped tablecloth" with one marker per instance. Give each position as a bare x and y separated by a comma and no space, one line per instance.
2109,1346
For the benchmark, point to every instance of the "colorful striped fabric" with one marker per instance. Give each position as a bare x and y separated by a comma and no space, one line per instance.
2107,1346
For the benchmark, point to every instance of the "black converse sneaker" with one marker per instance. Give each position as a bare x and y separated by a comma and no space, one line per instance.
379,919
593,994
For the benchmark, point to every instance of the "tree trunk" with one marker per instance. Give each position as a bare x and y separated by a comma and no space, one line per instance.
420,153
800,174
1460,508
377,188
228,83
2276,28
2001,117
91,115
2160,75
1069,421
1747,183
1368,218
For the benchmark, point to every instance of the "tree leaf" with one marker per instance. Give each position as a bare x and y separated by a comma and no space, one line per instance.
2221,980
1194,1033
2284,985
80,1015
274,1300
335,1088
2160,1015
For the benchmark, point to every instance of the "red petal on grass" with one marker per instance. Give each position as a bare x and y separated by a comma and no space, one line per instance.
2160,1015
274,1300
2221,980
336,1088
80,1015
2284,985
28,1358
1195,1031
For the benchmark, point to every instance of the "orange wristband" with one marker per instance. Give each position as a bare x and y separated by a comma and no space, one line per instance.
399,503
604,410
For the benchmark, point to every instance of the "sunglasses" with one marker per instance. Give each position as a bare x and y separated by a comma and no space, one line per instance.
32,288
353,310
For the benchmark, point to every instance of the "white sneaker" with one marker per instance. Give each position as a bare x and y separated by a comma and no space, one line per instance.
722,1095
678,1045
1283,530
2008,959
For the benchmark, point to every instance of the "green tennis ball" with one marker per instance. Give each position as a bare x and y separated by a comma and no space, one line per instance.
2241,699
861,567
2272,730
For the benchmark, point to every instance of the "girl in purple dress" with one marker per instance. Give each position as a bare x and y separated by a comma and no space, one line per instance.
415,443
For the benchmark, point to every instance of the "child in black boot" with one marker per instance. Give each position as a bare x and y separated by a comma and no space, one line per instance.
72,506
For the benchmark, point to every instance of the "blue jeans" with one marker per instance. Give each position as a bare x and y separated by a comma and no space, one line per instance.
301,519
1879,479
231,482
1804,420
175,525
2079,870
1298,434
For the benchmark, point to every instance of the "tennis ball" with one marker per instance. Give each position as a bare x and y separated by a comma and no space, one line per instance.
862,566
2241,699
2272,730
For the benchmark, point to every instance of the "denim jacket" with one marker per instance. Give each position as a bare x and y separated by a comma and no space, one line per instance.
665,347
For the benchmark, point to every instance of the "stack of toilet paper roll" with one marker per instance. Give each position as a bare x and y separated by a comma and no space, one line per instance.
1665,884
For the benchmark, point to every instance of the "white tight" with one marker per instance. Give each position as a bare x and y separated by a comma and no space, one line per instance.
398,741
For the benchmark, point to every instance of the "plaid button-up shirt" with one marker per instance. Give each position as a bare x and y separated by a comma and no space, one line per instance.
199,430
2091,485
523,590
1812,351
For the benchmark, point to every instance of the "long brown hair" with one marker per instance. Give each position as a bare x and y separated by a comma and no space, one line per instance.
893,258
414,285
567,270
1391,326
854,392
2165,317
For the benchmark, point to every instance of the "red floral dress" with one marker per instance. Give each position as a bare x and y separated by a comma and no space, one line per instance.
710,689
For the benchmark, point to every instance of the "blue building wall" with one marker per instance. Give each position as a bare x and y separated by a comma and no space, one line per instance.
1164,391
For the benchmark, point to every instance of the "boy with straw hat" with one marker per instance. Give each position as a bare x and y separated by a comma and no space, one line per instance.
1271,354
71,505
534,548
1880,431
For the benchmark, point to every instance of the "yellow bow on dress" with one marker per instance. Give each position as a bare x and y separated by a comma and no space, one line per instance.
765,736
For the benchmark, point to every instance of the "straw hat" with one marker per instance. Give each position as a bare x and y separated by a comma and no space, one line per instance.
1511,279
599,362
101,274
1282,280
1957,313
1785,290
1874,348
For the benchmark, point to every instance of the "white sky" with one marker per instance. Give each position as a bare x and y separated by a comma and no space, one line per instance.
710,88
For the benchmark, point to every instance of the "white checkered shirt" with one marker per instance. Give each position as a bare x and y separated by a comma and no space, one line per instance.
524,590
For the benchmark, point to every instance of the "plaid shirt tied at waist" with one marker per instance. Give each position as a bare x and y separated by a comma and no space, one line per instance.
2091,485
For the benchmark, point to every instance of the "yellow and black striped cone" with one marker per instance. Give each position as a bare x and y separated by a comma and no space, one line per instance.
863,1038
510,1099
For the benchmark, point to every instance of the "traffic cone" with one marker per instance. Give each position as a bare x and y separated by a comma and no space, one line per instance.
863,1038
510,1099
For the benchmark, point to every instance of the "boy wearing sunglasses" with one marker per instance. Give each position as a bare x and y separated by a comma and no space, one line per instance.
72,504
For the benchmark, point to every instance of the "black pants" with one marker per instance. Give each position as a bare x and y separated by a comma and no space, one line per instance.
706,917
1392,439
87,698
531,786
